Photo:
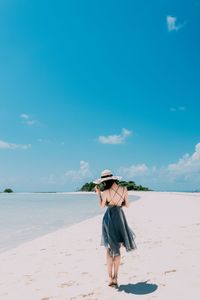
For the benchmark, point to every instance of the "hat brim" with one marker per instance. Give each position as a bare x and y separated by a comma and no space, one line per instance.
100,180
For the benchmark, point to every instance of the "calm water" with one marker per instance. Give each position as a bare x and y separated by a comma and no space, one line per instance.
24,217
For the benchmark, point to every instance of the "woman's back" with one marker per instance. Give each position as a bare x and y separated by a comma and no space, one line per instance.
115,195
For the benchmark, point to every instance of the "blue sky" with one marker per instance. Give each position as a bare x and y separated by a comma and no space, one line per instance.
93,85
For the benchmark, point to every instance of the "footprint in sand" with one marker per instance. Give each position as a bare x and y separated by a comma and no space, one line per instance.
69,283
87,295
130,278
62,273
29,278
170,271
162,284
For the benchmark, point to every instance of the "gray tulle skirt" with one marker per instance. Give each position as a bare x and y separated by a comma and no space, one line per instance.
116,232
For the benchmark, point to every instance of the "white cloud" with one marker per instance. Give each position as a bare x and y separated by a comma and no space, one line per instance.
81,173
24,116
133,170
187,164
28,120
183,174
115,138
6,145
172,24
43,140
31,122
179,108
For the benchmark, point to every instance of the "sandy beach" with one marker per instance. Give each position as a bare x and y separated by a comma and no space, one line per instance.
70,264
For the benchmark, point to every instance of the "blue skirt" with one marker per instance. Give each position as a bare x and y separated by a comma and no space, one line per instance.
116,232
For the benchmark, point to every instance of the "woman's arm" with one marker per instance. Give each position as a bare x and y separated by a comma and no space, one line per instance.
126,197
102,199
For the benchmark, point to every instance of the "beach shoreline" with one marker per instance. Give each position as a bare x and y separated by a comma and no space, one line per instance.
62,227
63,264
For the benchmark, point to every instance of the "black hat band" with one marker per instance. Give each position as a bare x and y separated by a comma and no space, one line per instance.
104,176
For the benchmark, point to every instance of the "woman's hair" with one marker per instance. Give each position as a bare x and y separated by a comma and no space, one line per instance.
108,183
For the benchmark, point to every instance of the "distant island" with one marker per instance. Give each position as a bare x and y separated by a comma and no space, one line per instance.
89,187
131,186
8,190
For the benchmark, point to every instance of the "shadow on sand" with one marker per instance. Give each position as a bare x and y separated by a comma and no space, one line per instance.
140,288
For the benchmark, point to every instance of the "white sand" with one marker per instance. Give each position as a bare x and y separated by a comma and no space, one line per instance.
71,264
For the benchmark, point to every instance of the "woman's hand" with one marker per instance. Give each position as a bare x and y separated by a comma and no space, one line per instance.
97,189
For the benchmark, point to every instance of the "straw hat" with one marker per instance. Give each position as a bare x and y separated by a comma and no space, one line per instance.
106,175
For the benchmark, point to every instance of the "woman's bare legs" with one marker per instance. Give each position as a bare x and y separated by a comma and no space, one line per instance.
110,264
117,260
113,264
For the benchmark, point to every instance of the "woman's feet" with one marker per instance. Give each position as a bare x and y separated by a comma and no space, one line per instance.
113,281
110,283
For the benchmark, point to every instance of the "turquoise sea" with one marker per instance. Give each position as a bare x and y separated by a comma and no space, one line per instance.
25,216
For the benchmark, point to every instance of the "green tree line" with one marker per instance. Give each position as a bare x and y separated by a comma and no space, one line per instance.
131,186
8,190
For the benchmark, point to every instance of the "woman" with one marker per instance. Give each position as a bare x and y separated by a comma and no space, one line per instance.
115,229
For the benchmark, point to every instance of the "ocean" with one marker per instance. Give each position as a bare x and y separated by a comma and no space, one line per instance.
25,216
